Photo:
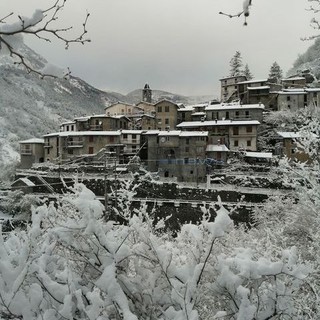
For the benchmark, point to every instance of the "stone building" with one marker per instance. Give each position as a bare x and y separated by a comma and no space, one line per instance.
167,114
234,134
147,94
229,88
31,151
235,111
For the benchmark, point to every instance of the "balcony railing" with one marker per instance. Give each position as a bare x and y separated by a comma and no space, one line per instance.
75,144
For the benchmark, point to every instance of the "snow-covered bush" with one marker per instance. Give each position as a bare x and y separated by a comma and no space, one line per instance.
73,264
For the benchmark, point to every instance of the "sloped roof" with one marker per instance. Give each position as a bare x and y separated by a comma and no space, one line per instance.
32,140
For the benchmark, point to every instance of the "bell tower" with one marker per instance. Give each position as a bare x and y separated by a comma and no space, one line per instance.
147,94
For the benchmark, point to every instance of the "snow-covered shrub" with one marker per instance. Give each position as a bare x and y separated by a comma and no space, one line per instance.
16,203
73,264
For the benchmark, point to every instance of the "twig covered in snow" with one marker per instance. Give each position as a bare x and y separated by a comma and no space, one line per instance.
246,6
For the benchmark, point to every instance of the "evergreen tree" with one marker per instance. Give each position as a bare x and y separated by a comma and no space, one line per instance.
236,65
247,72
275,72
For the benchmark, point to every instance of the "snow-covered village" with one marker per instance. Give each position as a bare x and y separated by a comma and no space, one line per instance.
156,205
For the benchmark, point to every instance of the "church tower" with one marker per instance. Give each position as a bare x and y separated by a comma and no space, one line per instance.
147,94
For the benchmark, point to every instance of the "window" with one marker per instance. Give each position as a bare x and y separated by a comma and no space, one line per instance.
186,160
235,131
70,151
166,121
91,138
236,143
166,108
237,114
187,149
249,129
90,150
125,136
187,141
247,113
248,143
288,98
227,115
134,136
159,109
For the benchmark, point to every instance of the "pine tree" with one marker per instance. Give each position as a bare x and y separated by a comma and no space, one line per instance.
247,72
275,72
236,65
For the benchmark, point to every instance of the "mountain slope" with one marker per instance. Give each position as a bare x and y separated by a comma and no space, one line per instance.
310,60
31,107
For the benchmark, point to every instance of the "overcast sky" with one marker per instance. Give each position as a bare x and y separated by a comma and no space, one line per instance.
181,46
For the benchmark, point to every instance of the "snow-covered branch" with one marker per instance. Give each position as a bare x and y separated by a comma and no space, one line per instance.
40,25
245,11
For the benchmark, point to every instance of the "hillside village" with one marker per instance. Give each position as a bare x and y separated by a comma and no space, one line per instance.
186,142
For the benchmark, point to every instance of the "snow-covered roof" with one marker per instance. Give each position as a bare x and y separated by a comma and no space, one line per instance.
259,88
67,122
151,132
195,124
86,118
26,181
166,100
294,79
187,108
82,133
131,131
194,134
217,148
233,77
121,103
312,89
223,106
289,134
295,92
169,133
267,155
253,81
32,140
199,114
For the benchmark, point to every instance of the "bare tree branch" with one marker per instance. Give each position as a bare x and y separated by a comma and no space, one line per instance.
246,6
41,26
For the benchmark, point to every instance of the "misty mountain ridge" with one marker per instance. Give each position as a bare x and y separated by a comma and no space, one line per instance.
31,106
